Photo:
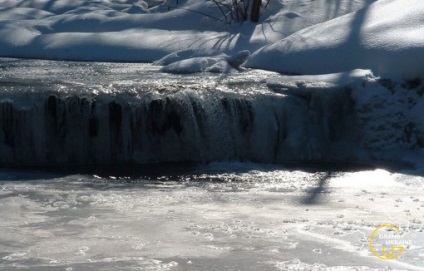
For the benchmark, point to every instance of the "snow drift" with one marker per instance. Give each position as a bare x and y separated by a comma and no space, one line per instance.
386,37
145,31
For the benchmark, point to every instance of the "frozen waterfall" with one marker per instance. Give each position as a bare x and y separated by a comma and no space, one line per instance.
187,125
54,117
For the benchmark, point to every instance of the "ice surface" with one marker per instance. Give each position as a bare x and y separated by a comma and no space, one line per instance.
211,217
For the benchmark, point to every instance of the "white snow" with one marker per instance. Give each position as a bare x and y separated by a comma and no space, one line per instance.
297,37
198,64
145,31
333,79
386,37
191,61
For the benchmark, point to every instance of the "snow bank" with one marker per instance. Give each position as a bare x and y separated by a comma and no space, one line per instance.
193,61
386,37
199,64
145,31
129,31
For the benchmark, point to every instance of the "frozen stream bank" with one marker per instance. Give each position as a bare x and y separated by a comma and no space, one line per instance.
88,113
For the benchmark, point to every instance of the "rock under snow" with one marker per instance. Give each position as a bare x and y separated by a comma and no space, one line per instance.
193,61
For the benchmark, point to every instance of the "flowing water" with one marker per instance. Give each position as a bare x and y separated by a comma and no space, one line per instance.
111,166
85,113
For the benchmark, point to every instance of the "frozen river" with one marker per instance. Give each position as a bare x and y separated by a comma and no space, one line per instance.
221,216
168,199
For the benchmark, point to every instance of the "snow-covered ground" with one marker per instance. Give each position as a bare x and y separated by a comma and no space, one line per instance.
222,216
386,37
302,37
126,30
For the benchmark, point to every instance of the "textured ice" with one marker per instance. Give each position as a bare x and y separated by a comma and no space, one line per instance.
218,216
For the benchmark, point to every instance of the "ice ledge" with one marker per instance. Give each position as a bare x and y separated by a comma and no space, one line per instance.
372,121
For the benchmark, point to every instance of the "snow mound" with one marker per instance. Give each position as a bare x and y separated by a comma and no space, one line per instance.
184,54
195,64
136,9
188,61
147,30
307,82
386,37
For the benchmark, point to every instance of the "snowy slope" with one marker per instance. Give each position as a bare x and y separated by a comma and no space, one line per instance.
301,37
386,37
144,31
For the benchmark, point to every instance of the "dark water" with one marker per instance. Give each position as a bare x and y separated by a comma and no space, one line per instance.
66,113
